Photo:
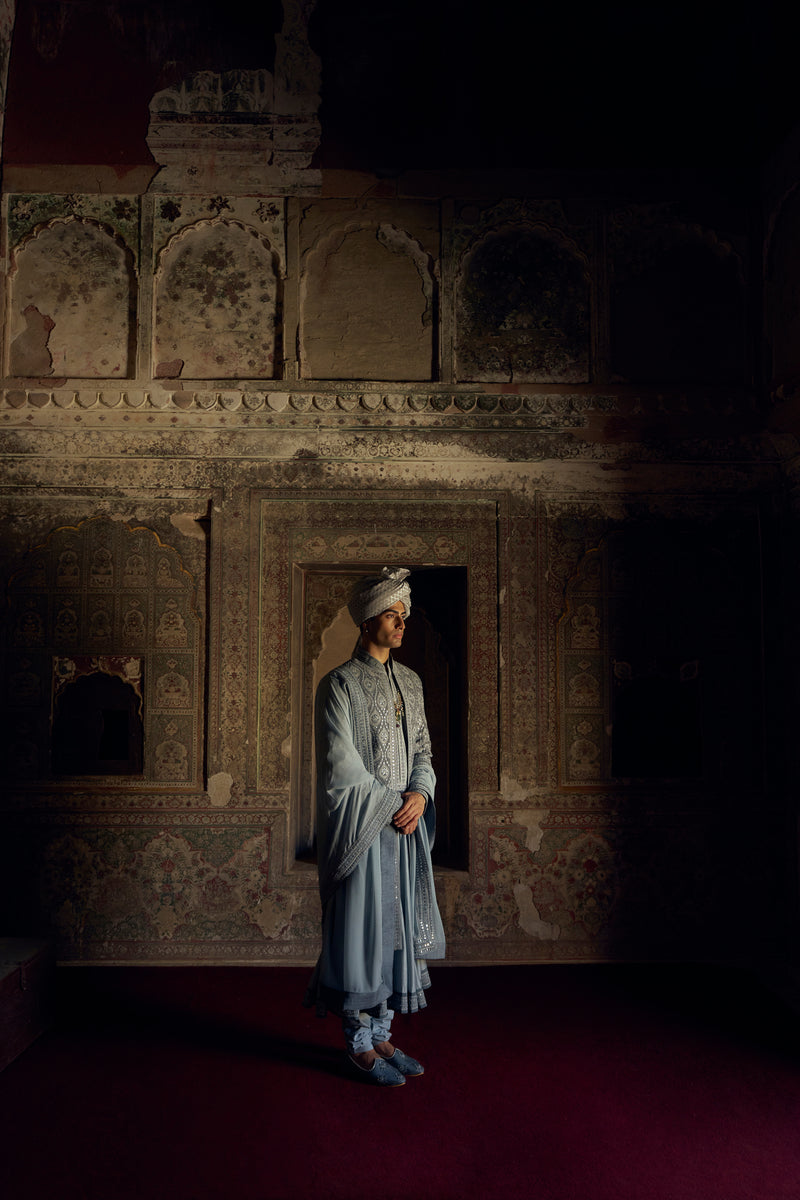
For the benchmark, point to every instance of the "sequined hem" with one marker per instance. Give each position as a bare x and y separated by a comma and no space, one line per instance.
409,1002
326,1000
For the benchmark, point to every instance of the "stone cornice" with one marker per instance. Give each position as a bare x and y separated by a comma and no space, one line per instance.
348,420
540,406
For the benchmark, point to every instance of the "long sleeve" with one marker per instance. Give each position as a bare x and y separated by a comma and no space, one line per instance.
421,776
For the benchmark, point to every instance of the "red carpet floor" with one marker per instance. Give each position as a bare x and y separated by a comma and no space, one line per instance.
555,1083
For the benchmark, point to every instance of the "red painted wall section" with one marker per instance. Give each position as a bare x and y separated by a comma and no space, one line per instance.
81,75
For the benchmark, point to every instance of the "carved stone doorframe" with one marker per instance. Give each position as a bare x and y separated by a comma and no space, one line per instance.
328,541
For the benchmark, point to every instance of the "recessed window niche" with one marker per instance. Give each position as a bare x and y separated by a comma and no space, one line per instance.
97,718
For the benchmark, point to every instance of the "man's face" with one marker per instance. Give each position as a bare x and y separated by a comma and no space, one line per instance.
386,630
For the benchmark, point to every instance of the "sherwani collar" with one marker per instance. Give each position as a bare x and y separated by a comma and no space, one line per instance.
364,656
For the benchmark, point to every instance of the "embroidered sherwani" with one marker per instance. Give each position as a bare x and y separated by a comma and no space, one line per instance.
380,920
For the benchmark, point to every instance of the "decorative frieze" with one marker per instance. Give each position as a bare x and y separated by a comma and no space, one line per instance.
538,409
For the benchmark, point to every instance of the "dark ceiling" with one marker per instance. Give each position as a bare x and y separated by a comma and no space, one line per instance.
426,83
570,85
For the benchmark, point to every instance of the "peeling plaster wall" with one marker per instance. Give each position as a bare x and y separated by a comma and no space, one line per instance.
350,438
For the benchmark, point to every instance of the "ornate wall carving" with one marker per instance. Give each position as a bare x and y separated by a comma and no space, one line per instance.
171,888
523,483
102,595
248,129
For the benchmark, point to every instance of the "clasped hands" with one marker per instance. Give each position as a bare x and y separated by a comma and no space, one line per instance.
406,819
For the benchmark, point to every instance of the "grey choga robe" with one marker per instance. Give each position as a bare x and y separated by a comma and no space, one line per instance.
380,919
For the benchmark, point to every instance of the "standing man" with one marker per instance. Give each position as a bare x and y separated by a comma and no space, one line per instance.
375,828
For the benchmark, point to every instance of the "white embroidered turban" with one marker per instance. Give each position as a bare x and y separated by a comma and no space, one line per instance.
374,595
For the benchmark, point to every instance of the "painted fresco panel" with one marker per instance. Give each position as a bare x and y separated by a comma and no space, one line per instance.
217,305
522,310
72,304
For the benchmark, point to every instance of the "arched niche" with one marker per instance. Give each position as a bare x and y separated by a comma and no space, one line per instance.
72,303
678,311
368,306
98,727
217,305
522,308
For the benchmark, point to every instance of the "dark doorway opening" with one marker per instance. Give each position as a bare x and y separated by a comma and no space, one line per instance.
435,645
